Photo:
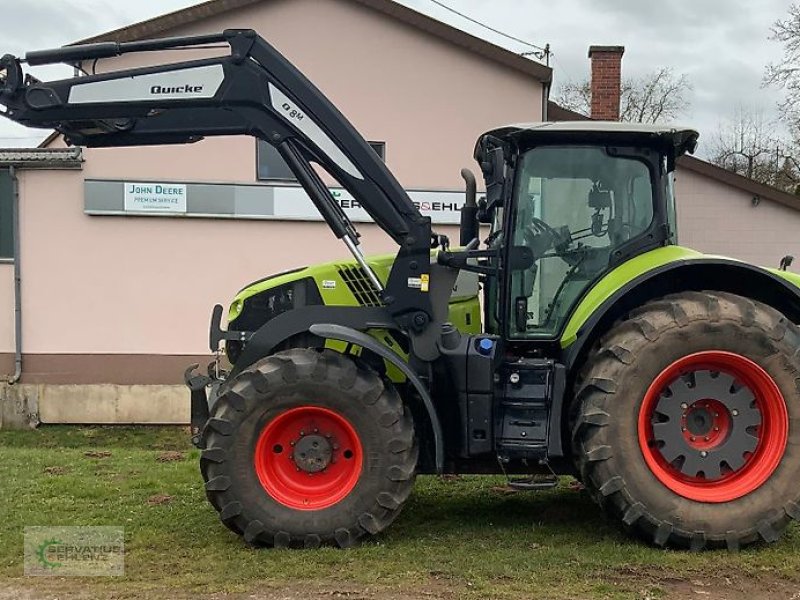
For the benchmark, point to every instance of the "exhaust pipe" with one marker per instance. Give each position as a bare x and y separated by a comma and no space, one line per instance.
469,212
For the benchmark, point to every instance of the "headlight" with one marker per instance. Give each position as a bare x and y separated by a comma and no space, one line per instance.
235,310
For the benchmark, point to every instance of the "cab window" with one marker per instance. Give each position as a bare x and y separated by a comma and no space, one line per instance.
574,207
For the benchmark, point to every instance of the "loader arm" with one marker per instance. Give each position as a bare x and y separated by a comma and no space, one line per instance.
253,90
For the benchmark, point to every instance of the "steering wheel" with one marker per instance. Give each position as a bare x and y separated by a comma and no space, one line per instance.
540,236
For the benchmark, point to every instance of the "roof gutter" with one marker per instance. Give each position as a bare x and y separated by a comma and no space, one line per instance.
545,100
17,279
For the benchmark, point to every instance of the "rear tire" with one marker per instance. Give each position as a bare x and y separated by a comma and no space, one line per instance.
687,428
355,436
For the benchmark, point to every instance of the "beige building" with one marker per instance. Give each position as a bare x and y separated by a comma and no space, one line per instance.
114,304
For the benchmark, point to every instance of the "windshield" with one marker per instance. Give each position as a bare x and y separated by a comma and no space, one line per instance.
574,207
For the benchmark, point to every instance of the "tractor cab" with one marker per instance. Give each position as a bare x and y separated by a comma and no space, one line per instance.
583,197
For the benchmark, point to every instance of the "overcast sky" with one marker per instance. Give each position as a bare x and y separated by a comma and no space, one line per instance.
722,45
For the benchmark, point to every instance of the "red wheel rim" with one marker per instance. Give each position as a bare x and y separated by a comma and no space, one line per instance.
308,458
713,426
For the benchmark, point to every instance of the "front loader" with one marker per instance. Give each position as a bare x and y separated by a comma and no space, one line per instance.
568,333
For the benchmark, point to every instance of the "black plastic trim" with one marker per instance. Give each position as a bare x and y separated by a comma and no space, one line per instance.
300,320
555,445
347,334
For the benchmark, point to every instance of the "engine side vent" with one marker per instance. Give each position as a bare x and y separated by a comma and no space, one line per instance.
360,285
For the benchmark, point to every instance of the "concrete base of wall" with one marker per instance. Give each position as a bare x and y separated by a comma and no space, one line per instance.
19,406
26,405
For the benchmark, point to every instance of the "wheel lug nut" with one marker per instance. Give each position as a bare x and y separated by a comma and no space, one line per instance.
706,438
716,428
735,412
316,430
302,433
683,428
291,443
684,406
692,438
704,454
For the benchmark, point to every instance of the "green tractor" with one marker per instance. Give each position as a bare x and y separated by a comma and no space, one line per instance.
577,338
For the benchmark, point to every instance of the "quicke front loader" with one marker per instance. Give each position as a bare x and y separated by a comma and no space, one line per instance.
579,338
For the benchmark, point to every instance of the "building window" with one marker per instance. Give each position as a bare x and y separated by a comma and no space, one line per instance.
271,167
270,164
6,215
380,149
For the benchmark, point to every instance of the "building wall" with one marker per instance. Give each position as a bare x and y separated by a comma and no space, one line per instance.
427,98
126,300
716,218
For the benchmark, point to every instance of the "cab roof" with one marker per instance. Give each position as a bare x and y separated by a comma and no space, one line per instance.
679,139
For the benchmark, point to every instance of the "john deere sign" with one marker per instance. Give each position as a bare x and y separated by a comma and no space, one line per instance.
257,201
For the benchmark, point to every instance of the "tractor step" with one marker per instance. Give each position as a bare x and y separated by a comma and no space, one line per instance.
532,484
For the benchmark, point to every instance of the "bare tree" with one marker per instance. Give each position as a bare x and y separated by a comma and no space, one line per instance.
786,72
748,145
575,96
653,98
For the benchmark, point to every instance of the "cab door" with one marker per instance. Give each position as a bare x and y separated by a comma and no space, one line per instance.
574,207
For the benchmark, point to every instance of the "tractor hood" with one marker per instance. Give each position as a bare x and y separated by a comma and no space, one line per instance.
339,283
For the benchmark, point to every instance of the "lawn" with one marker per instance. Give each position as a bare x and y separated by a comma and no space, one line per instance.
463,537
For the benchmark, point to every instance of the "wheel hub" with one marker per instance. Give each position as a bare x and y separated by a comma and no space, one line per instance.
707,424
312,453
698,420
701,401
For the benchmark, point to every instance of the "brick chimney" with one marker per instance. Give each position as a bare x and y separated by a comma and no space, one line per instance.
606,81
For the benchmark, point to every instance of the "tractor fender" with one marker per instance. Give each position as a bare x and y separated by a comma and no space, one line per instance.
299,320
348,334
773,288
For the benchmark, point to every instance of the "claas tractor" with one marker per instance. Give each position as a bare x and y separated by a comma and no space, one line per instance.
566,333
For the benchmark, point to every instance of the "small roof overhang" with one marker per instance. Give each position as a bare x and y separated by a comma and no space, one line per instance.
42,158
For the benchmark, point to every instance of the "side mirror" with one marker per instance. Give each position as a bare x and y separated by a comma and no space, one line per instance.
493,167
484,214
786,262
10,75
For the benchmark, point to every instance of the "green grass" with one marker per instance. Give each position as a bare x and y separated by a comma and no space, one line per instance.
463,537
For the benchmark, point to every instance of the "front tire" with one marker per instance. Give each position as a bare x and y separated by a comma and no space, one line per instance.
687,428
306,448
